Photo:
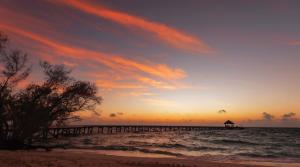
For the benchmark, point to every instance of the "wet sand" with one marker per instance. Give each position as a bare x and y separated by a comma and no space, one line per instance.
87,159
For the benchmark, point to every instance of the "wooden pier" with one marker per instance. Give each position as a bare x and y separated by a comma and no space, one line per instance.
113,129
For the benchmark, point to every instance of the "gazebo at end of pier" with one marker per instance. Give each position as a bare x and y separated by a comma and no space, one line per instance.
229,124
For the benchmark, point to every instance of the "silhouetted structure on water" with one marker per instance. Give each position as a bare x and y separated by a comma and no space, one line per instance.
113,129
229,124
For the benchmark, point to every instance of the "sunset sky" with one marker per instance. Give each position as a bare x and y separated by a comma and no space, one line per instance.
170,61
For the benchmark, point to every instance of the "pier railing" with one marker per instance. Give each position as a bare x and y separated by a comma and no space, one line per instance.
113,129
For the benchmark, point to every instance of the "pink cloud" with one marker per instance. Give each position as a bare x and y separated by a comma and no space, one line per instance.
167,34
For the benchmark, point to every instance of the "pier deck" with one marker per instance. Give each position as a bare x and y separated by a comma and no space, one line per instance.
113,129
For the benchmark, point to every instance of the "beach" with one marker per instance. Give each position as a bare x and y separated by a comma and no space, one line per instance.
61,158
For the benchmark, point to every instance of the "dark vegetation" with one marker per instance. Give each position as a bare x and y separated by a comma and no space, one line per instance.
26,113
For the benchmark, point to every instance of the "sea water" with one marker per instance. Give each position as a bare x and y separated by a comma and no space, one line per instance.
264,144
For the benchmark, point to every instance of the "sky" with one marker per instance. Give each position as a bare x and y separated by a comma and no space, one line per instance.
193,62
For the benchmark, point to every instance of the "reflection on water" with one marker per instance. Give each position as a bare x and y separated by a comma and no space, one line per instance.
276,144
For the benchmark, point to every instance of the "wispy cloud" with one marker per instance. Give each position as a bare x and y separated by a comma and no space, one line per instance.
288,115
157,84
222,111
110,85
113,115
267,116
113,71
294,42
286,120
141,93
133,80
113,61
138,78
8,16
167,34
155,101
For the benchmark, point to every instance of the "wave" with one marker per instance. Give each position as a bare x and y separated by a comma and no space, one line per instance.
270,155
257,155
233,142
162,145
160,152
206,148
176,146
130,148
254,143
165,145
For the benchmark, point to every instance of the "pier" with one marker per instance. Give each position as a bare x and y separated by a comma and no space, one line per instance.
114,129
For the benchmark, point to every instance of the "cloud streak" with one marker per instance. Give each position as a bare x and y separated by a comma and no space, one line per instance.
294,43
131,80
155,101
113,71
113,61
169,35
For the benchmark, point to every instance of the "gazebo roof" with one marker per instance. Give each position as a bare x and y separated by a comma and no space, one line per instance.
228,122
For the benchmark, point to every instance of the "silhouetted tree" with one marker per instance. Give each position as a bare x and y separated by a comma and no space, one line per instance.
26,113
13,69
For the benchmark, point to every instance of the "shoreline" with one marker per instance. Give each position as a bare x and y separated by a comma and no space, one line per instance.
77,158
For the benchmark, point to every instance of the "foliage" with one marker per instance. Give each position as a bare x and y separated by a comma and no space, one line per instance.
25,113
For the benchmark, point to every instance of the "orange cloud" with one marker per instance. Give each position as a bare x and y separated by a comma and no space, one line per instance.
159,70
107,84
294,42
161,31
14,18
131,80
158,102
141,93
113,61
122,73
156,84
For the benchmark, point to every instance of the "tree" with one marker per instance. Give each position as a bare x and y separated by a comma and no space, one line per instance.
13,69
25,113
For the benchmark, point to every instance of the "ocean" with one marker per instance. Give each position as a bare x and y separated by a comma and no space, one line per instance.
265,144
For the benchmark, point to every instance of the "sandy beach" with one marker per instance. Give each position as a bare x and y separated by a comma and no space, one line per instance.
82,159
